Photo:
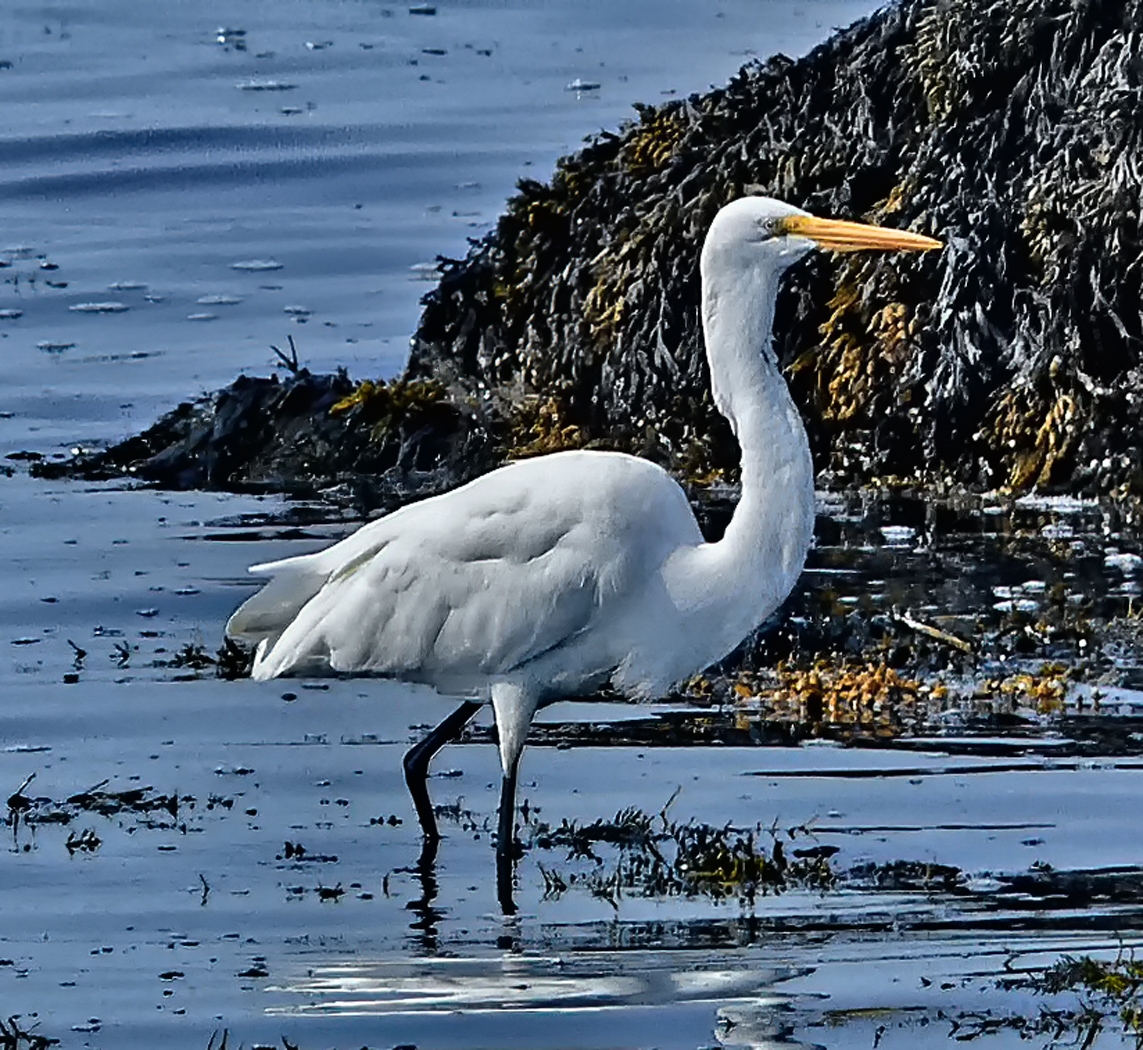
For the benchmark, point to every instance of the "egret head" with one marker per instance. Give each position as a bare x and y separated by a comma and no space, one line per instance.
764,232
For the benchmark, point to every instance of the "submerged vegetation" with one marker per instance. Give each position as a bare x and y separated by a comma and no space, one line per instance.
649,856
1109,993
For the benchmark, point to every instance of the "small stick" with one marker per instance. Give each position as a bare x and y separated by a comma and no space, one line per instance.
935,633
291,361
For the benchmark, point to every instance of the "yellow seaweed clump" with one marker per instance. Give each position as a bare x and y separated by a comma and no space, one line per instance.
382,405
963,49
614,268
1044,692
650,144
541,426
872,697
938,59
1116,986
862,347
1035,438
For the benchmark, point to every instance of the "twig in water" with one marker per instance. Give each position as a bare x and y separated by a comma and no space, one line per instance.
77,663
934,632
288,361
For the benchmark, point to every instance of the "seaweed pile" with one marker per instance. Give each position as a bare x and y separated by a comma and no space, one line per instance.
1011,359
370,445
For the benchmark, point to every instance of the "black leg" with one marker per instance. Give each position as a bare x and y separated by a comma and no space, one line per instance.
417,760
506,841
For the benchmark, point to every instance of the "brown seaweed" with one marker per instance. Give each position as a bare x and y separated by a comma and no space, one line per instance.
1011,359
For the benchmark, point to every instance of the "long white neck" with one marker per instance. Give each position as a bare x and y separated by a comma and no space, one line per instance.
734,584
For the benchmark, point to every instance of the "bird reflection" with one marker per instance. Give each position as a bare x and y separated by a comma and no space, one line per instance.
424,928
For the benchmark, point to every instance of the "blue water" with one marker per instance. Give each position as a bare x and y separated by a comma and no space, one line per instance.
133,153
136,170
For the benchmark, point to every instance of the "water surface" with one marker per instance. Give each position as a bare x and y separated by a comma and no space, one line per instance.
241,855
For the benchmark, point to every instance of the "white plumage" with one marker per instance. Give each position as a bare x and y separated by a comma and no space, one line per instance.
551,576
547,556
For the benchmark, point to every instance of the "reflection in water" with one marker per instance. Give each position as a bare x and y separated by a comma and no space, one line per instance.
580,981
757,1026
424,928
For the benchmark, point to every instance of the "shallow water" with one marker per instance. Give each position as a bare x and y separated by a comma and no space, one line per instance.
130,155
194,915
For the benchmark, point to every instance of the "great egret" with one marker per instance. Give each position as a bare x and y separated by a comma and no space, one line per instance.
551,576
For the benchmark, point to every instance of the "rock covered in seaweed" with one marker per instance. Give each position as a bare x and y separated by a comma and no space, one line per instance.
1012,358
381,442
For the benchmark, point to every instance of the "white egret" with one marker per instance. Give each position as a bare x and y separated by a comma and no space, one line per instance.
552,576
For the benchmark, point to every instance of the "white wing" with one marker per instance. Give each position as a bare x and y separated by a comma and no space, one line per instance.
477,582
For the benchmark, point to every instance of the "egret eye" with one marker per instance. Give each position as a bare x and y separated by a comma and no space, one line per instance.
772,227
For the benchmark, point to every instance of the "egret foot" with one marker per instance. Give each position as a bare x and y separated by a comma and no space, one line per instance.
417,760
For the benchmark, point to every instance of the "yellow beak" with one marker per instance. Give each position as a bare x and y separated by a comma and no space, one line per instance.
836,235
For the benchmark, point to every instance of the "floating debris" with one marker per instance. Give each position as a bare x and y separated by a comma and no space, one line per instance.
235,38
256,265
898,535
26,810
99,308
10,314
265,85
219,300
54,348
1125,563
578,85
87,841
204,316
127,286
422,9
